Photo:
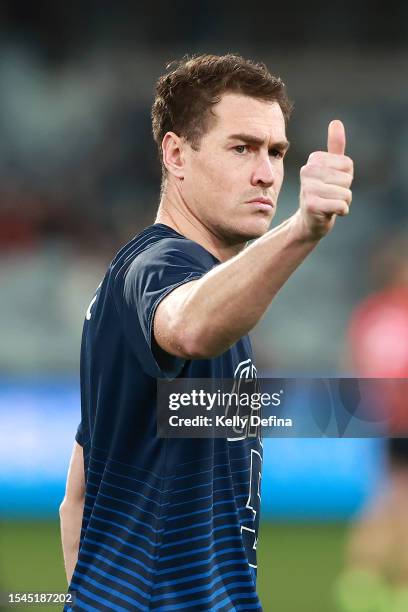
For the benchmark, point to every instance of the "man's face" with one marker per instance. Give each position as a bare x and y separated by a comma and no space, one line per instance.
231,184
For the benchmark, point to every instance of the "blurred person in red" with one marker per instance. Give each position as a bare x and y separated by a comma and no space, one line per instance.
378,339
376,577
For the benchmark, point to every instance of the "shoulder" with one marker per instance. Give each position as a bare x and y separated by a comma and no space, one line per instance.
171,249
160,247
157,258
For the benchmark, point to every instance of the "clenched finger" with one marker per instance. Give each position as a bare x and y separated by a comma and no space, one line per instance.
331,160
327,175
332,207
323,190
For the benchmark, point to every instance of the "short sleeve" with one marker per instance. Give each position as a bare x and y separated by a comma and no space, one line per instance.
139,289
79,435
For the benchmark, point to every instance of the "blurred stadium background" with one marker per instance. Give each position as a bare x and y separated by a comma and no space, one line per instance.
79,177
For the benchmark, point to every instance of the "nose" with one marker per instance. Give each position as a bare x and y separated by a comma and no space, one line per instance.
263,173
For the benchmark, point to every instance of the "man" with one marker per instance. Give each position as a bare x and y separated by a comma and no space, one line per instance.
172,524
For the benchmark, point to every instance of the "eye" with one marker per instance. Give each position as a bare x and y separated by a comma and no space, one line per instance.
276,153
241,149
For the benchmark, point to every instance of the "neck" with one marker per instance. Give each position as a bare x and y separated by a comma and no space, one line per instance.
175,212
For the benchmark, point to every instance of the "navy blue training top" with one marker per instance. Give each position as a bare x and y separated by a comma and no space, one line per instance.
169,524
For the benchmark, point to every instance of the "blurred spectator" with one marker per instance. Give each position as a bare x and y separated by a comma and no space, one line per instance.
376,577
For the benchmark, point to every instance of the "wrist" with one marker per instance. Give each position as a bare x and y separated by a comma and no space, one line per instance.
301,231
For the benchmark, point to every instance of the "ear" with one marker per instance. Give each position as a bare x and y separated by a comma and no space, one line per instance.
173,154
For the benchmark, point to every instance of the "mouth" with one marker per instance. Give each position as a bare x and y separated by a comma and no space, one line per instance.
261,203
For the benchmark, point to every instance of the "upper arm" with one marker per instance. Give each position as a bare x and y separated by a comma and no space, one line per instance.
170,331
75,487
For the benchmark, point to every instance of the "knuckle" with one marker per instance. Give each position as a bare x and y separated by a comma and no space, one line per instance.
316,169
342,209
309,191
310,209
308,170
315,157
350,163
305,192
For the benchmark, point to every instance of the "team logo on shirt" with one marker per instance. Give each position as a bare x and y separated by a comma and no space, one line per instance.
245,380
246,374
254,501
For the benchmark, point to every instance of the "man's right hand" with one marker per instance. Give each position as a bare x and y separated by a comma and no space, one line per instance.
325,183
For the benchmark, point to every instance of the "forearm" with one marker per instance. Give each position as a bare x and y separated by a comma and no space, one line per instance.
70,522
228,301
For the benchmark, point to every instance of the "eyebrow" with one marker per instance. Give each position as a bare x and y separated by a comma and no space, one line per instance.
282,145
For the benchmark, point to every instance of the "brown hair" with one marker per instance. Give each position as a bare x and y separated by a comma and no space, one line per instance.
192,85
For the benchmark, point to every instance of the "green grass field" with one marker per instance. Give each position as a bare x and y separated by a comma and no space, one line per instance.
297,563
